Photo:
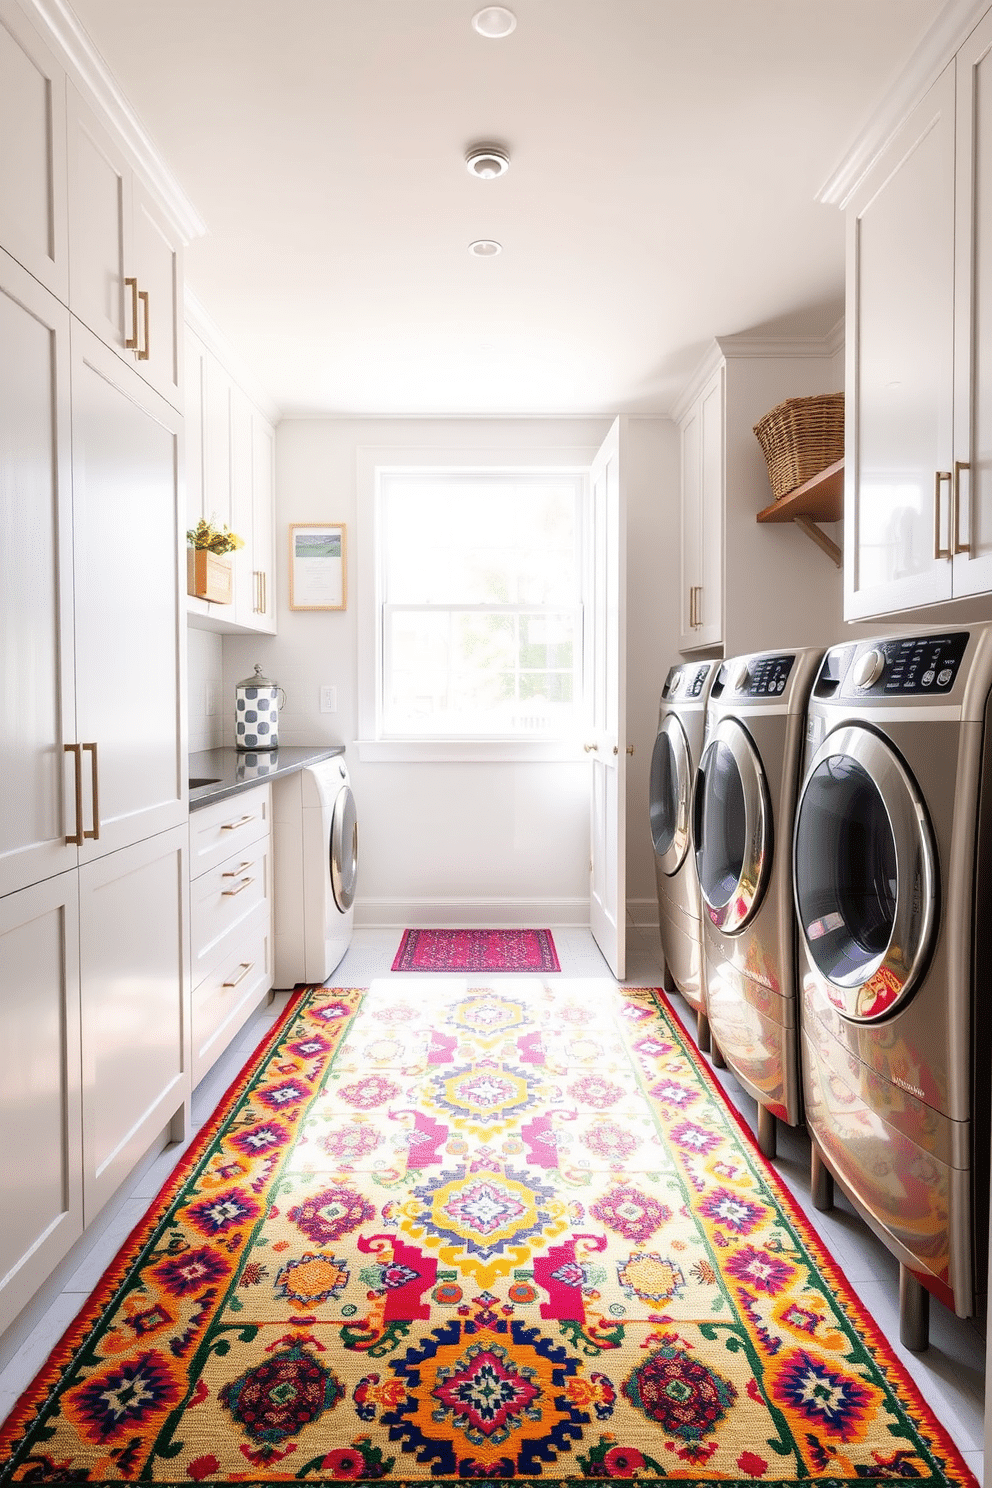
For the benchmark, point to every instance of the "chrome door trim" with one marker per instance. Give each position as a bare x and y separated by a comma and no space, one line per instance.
671,729
878,988
343,854
746,896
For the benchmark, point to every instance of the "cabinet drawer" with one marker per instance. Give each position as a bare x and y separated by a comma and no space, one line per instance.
225,998
217,831
225,902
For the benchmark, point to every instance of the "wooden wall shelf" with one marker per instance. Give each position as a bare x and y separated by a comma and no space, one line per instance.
820,499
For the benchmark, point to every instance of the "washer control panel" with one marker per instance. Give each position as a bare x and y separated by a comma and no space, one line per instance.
756,677
686,681
902,666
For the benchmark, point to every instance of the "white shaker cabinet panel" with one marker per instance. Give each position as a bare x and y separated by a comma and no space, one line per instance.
263,537
252,444
900,371
701,623
32,156
130,669
36,650
125,258
134,955
972,470
40,1081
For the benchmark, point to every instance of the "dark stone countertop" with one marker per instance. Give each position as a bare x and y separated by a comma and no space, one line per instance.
228,771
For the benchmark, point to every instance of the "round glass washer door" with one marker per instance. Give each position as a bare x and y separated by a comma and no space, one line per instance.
731,827
670,794
343,849
865,874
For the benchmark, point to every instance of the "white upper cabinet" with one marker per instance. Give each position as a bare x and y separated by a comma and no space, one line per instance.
230,480
918,499
32,154
125,274
701,622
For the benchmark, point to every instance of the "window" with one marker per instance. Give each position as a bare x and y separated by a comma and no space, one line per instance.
479,612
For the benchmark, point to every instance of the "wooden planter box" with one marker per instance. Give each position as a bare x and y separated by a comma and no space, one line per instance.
209,575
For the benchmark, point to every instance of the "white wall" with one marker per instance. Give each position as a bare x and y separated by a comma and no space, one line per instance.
210,720
482,843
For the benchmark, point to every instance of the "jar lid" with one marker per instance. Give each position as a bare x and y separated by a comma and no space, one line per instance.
258,680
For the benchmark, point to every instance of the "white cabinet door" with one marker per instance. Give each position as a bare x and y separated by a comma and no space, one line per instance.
32,156
972,470
125,260
134,955
702,519
900,318
37,710
253,516
39,1077
130,668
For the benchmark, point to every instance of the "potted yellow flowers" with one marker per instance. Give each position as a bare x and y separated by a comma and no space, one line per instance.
208,561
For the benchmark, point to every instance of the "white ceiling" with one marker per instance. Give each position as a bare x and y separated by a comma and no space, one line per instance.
665,159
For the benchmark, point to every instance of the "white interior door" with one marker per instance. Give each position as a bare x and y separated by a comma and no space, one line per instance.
607,744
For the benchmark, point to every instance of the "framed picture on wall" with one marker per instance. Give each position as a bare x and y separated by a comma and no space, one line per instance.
318,569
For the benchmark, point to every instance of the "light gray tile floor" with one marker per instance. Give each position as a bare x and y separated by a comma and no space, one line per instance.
951,1374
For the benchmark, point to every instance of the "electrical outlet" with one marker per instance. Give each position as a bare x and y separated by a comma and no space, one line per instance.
328,700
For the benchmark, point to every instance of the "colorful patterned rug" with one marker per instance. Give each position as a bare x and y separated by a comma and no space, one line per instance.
476,950
511,1233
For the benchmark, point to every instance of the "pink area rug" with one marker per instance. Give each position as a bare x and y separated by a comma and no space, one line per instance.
476,950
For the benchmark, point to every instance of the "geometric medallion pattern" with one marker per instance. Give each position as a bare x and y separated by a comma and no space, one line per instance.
441,1231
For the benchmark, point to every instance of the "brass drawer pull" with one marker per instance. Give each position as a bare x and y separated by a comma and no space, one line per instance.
95,791
241,868
241,822
76,751
938,551
246,967
959,546
131,342
145,353
230,893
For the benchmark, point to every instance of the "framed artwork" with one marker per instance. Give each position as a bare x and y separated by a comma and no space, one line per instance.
318,568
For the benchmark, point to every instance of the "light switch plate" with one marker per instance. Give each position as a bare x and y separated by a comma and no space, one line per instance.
328,700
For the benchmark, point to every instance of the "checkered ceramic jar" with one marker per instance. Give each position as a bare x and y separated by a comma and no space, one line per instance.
256,712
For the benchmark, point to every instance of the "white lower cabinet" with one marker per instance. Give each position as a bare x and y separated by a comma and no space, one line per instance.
133,957
231,919
39,1078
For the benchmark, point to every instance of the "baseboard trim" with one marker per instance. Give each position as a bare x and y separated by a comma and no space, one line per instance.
466,914
643,913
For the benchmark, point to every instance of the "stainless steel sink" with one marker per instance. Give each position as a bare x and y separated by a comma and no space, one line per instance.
198,780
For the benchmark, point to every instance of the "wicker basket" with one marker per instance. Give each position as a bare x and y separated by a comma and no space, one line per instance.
801,437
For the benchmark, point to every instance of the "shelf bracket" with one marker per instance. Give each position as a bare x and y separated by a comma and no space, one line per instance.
821,539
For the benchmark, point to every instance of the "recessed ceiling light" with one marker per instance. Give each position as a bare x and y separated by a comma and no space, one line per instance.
494,21
485,248
487,161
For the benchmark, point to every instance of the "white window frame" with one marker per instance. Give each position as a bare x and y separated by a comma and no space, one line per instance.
469,459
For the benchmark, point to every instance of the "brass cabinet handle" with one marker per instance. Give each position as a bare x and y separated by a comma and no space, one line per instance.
131,342
145,352
265,592
959,546
692,608
76,751
241,868
230,893
95,789
241,822
938,551
245,968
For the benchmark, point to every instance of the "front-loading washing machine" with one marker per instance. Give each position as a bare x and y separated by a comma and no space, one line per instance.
315,850
742,819
892,864
677,747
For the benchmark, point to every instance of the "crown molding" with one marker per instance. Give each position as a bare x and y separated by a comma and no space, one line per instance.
939,44
85,67
747,344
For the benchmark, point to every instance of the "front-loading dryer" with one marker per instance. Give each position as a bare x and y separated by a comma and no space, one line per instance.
677,747
892,859
315,838
743,807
